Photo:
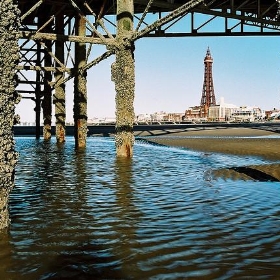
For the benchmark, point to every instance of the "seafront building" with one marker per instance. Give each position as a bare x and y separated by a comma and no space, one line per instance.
221,112
229,112
159,117
272,114
247,114
209,110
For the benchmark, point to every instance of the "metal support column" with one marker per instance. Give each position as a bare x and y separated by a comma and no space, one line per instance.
38,93
80,87
123,74
47,101
59,96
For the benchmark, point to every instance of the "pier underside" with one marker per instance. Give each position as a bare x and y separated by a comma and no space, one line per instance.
56,39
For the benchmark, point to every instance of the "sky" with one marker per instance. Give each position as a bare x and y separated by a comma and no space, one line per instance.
170,72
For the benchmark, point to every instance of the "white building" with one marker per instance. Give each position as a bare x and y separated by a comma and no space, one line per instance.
159,117
230,112
143,118
221,112
247,114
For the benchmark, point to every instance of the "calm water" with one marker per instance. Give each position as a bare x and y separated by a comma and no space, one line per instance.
160,215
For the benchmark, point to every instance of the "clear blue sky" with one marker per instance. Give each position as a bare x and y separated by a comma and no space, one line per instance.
169,75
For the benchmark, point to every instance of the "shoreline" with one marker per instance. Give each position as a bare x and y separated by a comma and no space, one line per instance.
235,141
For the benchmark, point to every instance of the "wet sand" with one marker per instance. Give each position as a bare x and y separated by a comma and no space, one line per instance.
236,141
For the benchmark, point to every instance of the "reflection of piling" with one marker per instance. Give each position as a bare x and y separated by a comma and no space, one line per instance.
123,74
80,87
9,25
59,96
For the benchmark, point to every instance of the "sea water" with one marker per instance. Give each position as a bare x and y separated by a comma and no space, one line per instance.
160,215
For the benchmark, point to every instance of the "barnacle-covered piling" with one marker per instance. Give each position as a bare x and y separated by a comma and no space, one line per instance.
59,96
123,74
80,87
9,55
47,101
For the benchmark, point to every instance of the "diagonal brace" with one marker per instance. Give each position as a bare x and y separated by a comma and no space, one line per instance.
171,16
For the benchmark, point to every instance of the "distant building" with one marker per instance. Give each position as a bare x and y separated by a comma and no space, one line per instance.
221,112
143,118
208,110
174,117
195,113
229,112
247,114
208,98
159,117
272,114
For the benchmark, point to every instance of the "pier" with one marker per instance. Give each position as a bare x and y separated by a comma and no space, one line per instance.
57,39
55,45
151,129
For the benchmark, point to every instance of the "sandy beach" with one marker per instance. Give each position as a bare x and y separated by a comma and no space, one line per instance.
237,141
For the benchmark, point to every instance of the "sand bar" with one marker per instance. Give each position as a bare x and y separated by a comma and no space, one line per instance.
237,141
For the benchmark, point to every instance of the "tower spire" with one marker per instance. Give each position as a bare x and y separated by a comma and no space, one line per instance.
208,95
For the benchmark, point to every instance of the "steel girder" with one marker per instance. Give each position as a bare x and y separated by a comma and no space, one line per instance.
153,18
227,18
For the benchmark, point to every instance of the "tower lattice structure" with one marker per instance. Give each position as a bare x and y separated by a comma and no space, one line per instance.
208,95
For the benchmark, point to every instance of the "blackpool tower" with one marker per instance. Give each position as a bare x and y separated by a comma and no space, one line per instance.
208,95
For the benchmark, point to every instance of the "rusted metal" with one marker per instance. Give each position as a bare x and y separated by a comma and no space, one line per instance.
181,10
47,91
69,38
31,9
80,87
83,68
38,93
43,68
59,96
144,14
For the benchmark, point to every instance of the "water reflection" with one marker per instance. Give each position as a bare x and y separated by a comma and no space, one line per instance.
127,216
80,171
6,254
87,215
